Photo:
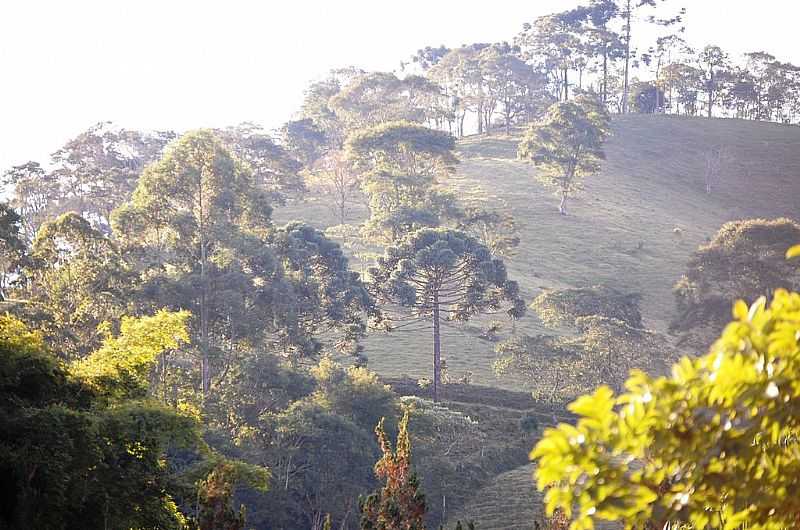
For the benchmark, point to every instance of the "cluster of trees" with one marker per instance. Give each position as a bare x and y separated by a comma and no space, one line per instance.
255,303
87,444
171,348
126,225
605,339
595,47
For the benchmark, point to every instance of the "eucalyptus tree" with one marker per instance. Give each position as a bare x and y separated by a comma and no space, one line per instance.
12,247
773,85
402,164
33,194
713,62
510,83
97,170
199,235
75,279
627,10
443,274
665,53
273,168
601,40
335,176
91,174
373,98
428,56
460,75
186,213
567,145
552,43
305,140
685,82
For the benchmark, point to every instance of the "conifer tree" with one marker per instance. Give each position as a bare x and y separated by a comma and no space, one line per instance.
441,274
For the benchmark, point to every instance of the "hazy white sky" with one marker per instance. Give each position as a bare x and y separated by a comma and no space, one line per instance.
181,64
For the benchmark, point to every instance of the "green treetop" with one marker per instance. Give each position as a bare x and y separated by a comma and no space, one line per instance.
402,164
567,145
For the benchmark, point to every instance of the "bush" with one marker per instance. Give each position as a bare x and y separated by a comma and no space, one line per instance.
745,259
561,368
563,307
529,424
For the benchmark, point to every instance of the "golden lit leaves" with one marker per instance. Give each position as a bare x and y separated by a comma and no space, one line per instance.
714,445
122,364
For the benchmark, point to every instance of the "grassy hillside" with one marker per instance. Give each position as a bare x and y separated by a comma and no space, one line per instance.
632,228
621,230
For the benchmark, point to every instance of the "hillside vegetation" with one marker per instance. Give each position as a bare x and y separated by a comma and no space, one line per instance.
632,228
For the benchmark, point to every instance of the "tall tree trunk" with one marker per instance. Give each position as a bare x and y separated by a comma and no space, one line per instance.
605,76
205,369
710,91
625,87
659,103
437,353
566,84
562,207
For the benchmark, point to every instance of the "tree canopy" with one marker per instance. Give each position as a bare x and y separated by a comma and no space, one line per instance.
744,260
567,145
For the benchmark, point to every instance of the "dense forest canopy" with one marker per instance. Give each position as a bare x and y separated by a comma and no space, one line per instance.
176,353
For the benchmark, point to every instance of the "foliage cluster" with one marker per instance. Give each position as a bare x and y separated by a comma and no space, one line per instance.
713,445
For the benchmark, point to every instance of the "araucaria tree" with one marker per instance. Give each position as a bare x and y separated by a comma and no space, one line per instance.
443,274
567,145
399,504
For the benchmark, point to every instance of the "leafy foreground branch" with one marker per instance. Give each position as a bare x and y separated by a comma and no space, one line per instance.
714,445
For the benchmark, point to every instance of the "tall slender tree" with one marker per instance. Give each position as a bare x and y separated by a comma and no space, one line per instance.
187,207
713,61
627,11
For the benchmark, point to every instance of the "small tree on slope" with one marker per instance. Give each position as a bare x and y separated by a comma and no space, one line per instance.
400,504
567,145
441,273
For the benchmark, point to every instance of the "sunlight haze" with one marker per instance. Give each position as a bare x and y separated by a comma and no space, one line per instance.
182,65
